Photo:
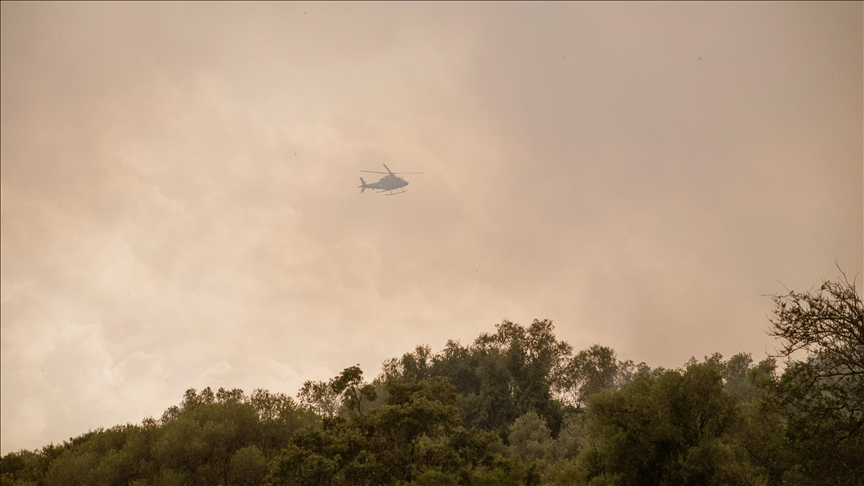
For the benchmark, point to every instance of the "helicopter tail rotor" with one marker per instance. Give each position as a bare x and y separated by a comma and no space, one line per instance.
362,186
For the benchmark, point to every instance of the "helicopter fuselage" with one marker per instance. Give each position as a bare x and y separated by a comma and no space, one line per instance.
386,183
389,183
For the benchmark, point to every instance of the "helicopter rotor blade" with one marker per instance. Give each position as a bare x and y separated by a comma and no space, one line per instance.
389,171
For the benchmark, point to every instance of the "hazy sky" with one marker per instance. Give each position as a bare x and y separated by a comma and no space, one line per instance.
180,205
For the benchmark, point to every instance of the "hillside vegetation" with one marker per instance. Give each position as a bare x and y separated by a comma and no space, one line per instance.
515,407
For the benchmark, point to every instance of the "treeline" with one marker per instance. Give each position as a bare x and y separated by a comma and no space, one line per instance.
515,407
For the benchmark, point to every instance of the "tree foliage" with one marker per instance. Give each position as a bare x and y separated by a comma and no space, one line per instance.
674,428
822,393
515,407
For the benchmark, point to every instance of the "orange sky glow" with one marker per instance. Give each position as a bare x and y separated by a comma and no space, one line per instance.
179,201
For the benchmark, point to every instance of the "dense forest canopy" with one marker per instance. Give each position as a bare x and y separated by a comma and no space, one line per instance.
517,406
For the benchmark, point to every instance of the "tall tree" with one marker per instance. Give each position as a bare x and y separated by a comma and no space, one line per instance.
673,428
505,374
823,393
591,371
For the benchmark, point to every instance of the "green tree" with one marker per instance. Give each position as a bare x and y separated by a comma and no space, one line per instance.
247,467
353,390
347,391
530,439
74,467
279,416
591,371
317,454
320,398
674,428
740,376
499,377
16,466
822,395
200,437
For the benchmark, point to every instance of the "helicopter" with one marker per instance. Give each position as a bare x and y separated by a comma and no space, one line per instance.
388,183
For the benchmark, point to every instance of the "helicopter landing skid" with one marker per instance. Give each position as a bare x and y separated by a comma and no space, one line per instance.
391,193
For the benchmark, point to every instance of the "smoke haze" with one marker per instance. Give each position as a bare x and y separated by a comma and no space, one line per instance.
180,205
